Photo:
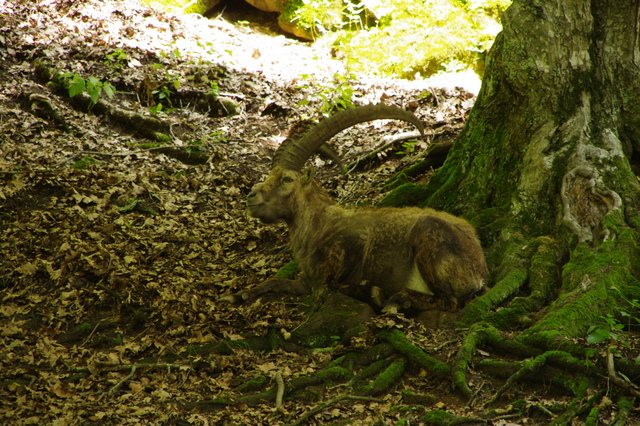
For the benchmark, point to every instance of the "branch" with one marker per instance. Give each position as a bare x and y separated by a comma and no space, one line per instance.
118,385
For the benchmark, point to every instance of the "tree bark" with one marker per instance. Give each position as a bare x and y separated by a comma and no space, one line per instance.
546,169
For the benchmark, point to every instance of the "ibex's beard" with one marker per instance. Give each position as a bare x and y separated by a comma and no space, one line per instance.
261,211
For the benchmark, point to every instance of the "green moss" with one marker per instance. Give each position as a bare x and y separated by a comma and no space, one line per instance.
543,273
334,374
332,318
401,344
385,379
567,378
439,418
592,418
408,194
479,308
396,181
551,340
594,281
542,279
478,335
412,398
288,271
253,385
510,318
372,369
84,328
83,162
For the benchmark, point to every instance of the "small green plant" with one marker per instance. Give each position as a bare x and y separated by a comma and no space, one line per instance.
214,90
164,93
92,86
156,109
334,97
408,148
610,330
116,60
217,136
614,329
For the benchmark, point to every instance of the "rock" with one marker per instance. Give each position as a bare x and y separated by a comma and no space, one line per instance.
268,5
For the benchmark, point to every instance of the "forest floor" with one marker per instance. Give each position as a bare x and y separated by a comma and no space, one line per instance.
115,247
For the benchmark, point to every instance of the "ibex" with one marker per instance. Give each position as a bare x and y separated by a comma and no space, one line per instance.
401,257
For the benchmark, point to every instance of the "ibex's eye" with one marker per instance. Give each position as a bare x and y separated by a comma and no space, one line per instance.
287,179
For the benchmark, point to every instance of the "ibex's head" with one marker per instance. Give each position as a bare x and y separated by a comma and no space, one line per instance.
275,198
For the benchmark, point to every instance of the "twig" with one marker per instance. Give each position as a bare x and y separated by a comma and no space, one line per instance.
315,410
544,410
280,393
122,382
91,334
474,396
123,367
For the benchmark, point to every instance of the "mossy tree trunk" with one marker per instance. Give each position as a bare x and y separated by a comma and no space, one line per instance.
546,169
546,165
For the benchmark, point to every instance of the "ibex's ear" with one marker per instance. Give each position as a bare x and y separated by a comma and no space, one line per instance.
308,174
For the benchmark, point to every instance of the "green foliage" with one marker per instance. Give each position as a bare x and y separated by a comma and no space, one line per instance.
408,147
116,60
333,97
214,91
612,327
217,136
288,271
184,6
422,37
92,86
319,17
164,93
610,330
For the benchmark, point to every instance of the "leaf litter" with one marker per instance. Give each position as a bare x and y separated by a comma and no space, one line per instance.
112,253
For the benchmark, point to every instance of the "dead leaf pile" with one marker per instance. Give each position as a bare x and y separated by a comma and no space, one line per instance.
112,253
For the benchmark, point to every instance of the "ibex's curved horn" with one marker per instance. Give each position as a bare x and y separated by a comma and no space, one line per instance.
293,155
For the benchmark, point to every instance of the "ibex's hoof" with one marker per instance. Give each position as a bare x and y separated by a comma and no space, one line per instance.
236,298
230,298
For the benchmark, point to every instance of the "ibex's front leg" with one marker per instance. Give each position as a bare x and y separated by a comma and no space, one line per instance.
272,285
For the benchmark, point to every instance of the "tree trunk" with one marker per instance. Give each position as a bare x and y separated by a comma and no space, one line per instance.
546,169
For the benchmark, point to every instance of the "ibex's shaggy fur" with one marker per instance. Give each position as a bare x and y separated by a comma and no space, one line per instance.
395,249
403,252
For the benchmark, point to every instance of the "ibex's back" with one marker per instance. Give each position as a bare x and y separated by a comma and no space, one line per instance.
402,251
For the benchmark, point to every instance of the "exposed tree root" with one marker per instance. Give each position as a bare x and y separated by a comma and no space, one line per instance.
42,106
385,379
401,344
324,405
617,379
149,127
481,334
146,126
565,360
